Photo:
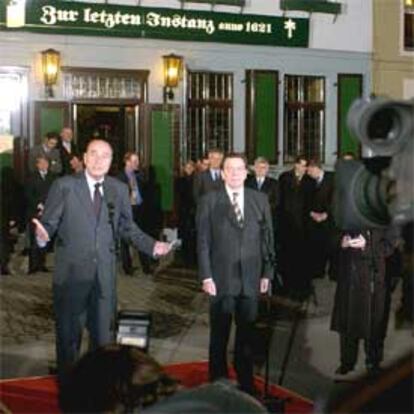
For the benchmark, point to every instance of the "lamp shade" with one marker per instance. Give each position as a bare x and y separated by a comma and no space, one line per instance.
172,70
50,66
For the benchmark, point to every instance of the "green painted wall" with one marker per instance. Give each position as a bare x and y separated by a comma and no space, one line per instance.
162,155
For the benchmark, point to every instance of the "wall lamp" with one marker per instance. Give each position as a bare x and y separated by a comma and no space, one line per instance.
173,67
50,66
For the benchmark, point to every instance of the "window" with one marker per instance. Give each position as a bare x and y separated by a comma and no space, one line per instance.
209,113
409,25
304,119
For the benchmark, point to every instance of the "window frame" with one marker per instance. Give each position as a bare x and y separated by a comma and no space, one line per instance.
206,103
403,51
303,105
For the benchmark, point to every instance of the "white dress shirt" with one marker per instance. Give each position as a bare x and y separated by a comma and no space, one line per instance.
240,197
91,184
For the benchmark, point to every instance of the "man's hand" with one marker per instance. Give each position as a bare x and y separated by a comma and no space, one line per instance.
161,249
264,285
318,217
209,287
358,243
41,233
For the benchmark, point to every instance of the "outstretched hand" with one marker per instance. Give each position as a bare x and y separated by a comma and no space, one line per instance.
161,248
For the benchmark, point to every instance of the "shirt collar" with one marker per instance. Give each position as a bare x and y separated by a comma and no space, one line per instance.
91,181
239,191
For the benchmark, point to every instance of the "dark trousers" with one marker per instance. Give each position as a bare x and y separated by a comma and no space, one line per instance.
76,307
320,249
374,351
126,258
222,310
37,255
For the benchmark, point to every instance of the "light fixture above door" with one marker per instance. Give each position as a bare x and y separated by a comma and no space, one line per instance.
173,66
50,67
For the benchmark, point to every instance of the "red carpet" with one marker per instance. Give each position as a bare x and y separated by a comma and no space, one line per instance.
38,394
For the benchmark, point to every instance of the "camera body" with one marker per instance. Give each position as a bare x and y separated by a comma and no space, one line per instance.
379,190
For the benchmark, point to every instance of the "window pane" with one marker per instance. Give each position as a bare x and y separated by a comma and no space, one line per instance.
409,30
209,112
304,129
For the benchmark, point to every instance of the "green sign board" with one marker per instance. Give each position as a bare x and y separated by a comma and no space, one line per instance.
91,19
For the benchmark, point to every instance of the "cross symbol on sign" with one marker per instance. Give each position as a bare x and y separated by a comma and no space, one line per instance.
290,26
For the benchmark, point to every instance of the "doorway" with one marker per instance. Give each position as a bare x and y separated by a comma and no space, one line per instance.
115,123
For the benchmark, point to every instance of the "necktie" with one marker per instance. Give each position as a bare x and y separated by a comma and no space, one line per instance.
135,194
97,199
237,210
259,183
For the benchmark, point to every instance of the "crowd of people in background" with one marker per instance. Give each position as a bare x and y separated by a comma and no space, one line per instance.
307,242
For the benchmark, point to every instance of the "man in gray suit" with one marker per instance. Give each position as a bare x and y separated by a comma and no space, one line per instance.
210,179
88,212
235,239
47,149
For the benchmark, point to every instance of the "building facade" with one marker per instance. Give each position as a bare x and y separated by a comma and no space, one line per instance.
268,77
393,49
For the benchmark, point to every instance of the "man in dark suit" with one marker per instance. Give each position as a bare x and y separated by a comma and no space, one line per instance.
320,223
36,189
88,212
209,180
260,181
232,225
136,186
48,149
294,188
66,148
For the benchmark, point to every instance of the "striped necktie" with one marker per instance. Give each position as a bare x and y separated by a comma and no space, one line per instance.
237,210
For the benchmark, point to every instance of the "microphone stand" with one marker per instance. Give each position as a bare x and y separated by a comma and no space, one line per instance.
271,402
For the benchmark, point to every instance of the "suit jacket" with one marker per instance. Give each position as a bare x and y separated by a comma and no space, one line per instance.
55,164
122,176
293,204
65,156
36,190
234,257
85,244
203,184
269,187
321,196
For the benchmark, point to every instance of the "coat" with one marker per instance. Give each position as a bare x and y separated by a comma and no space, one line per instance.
270,187
204,183
234,257
65,156
36,190
53,155
362,293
